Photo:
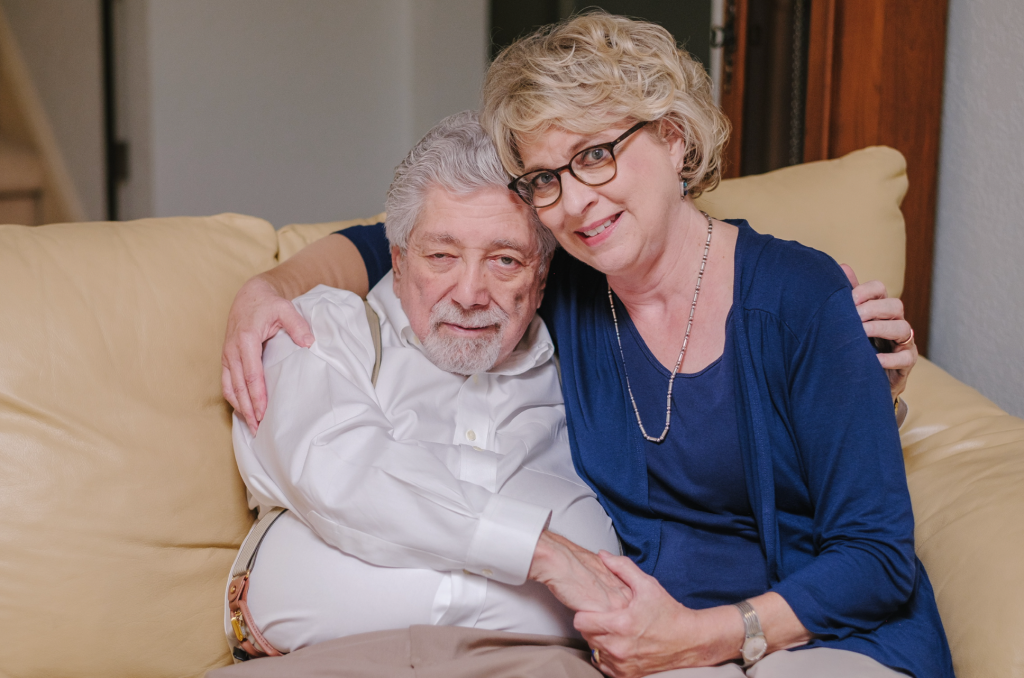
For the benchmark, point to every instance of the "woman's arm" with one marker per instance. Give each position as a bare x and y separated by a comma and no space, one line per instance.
263,307
851,464
259,311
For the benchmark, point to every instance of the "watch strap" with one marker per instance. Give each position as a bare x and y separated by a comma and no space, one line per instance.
754,643
751,624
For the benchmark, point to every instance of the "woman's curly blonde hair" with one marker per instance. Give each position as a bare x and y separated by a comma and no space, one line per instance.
598,69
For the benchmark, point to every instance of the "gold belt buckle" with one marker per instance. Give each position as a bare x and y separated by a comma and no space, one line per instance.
236,624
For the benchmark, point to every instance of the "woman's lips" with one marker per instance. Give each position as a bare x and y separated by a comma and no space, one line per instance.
599,232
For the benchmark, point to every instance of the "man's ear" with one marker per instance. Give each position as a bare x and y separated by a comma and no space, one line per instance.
544,282
396,266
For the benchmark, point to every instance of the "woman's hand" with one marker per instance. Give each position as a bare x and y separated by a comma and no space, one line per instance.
883,318
576,576
257,314
655,632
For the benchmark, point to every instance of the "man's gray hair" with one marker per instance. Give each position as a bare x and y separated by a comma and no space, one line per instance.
456,156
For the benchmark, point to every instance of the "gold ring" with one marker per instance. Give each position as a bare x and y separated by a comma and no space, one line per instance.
595,656
908,339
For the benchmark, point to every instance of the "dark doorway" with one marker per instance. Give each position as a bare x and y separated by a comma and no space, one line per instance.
776,80
688,20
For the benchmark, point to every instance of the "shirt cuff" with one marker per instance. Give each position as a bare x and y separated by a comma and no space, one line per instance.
505,540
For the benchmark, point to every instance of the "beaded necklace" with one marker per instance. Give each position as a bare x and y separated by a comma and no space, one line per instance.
682,351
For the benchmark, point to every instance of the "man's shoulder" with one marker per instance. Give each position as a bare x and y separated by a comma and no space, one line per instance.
338,321
323,296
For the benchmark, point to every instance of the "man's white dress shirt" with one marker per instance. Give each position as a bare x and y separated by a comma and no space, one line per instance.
419,501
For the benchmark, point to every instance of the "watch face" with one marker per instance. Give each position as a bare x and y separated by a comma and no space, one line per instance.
754,648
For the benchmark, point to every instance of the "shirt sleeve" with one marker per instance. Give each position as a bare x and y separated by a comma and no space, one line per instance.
864,566
326,451
373,247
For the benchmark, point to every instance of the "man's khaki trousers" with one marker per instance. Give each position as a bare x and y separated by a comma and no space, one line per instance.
457,652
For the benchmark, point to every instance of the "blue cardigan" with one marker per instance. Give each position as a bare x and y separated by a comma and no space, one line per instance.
822,456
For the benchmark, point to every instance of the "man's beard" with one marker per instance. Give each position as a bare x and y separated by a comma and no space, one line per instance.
464,355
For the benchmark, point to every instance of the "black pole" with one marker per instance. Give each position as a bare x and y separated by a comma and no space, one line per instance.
112,152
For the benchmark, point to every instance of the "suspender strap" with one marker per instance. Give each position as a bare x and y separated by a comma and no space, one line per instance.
248,634
374,321
247,556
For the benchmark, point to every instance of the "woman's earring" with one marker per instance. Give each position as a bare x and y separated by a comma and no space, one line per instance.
683,190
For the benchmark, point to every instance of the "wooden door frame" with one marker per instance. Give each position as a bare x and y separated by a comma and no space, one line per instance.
734,68
875,75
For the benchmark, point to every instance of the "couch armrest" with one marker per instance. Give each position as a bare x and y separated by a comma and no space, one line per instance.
965,466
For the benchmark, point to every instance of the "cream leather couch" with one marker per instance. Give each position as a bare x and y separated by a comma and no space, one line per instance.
120,506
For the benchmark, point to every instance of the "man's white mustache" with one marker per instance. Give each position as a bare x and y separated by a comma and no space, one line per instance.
447,311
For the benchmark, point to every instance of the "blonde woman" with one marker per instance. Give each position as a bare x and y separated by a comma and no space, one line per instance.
723,400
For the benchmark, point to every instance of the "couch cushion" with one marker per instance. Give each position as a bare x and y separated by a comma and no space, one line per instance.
965,466
120,505
294,237
848,208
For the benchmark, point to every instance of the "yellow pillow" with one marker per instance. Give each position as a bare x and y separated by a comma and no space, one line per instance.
120,505
294,237
848,208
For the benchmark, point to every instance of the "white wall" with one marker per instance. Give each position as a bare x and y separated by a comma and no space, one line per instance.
291,110
977,330
60,42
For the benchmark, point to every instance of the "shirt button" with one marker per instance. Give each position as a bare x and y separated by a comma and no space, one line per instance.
486,573
471,434
478,449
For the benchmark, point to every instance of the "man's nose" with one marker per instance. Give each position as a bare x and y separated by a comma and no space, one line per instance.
471,290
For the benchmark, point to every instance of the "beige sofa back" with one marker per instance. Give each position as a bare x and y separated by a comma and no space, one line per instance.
120,507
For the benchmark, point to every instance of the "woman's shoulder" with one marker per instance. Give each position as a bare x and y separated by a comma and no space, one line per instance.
784,277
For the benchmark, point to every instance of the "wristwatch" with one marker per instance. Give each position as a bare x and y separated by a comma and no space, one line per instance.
754,645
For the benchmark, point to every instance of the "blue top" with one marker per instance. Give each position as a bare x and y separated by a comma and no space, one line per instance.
820,451
710,551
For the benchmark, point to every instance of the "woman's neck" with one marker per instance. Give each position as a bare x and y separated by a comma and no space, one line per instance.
660,295
667,271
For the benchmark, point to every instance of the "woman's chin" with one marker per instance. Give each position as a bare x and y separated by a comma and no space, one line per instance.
609,259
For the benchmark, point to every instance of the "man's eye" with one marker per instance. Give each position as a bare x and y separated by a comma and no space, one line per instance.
439,255
507,261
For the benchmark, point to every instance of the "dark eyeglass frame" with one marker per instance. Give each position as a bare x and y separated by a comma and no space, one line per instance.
610,146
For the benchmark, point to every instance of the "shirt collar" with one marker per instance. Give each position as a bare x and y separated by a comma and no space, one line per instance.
533,350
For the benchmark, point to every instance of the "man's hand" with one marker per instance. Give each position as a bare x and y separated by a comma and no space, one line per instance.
655,632
883,318
577,577
257,314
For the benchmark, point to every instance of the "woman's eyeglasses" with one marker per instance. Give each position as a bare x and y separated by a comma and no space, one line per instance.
593,166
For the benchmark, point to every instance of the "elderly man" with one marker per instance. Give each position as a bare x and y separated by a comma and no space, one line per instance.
420,500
